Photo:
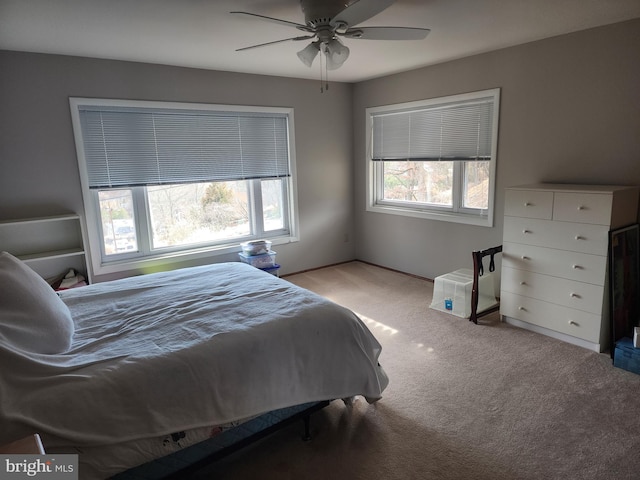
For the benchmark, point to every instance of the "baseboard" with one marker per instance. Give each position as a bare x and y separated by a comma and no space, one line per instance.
317,268
361,261
396,271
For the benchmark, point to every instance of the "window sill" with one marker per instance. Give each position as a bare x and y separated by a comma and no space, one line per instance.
443,216
153,263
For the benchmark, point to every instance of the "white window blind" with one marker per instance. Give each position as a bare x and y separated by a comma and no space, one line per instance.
452,131
134,146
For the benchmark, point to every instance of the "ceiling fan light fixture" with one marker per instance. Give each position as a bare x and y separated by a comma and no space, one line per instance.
308,54
326,21
336,53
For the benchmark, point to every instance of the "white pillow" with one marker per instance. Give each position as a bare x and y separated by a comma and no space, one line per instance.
32,316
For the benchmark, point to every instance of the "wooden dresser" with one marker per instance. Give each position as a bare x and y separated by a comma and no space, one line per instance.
555,258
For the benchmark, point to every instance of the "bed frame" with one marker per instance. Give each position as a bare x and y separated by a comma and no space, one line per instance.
184,463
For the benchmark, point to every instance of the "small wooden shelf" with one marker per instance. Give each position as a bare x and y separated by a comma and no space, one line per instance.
49,245
34,220
72,252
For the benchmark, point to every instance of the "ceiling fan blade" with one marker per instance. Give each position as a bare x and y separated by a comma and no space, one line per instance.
287,23
295,39
359,11
387,33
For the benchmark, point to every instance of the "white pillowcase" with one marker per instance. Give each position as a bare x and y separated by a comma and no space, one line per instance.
32,316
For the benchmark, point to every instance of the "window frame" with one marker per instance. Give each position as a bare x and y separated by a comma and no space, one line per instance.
456,213
154,257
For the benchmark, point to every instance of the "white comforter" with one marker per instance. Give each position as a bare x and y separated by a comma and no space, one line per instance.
161,353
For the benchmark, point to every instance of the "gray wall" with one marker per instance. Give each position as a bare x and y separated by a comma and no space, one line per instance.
38,164
569,113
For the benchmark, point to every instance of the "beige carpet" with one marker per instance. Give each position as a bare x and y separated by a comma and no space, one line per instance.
465,401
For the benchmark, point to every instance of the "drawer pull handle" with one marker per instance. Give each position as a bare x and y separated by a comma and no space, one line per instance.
574,295
526,231
527,204
581,207
576,267
522,309
523,283
524,257
579,237
571,322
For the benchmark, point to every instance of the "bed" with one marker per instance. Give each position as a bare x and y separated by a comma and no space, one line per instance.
124,372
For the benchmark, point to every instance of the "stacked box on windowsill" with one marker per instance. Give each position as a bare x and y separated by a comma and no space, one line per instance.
258,254
275,270
264,260
256,247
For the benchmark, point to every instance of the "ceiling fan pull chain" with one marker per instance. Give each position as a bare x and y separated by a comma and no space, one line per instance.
321,82
326,74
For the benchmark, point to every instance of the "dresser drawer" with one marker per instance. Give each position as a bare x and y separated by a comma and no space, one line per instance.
581,267
568,293
528,203
561,319
592,208
575,237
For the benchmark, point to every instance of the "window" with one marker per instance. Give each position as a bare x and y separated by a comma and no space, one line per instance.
434,158
165,180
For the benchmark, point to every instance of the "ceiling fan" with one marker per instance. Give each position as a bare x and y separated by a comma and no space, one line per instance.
326,21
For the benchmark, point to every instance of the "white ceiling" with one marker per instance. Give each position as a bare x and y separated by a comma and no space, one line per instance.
202,33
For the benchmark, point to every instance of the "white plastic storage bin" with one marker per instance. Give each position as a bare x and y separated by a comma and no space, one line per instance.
452,293
265,260
256,247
